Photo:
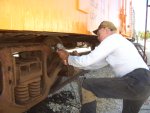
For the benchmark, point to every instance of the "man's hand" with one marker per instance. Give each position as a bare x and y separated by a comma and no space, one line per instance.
75,53
63,55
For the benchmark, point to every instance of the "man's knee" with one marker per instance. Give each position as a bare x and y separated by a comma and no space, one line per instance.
87,96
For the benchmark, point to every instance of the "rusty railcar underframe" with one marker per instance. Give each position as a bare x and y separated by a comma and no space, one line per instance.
30,67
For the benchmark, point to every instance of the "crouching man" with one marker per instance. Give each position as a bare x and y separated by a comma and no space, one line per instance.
132,76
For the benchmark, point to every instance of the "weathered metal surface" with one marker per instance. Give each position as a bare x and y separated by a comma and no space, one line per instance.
11,37
30,66
25,81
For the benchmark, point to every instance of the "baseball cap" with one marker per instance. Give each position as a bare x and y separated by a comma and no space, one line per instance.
107,24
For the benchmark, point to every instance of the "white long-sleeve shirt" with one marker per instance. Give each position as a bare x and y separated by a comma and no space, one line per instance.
114,50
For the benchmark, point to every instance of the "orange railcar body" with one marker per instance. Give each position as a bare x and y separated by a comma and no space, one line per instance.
69,16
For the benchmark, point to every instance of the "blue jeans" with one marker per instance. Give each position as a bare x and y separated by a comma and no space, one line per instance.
133,88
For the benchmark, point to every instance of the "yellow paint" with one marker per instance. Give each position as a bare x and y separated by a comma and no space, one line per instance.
71,16
42,15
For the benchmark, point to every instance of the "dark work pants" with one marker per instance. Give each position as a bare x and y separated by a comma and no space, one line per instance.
133,88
